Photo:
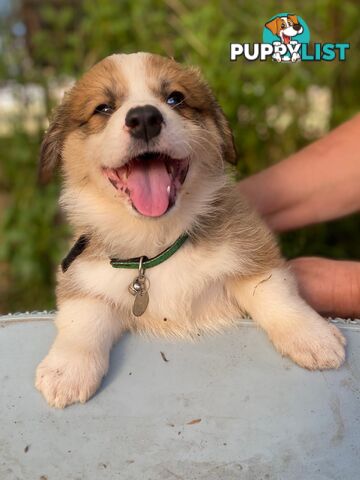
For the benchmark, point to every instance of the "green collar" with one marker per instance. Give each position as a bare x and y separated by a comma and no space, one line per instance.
150,262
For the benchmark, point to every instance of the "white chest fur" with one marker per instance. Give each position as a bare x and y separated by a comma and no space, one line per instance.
188,287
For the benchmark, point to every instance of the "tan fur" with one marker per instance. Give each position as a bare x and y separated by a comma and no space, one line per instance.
274,25
294,19
229,265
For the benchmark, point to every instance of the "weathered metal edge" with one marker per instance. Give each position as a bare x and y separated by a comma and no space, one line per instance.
45,316
26,317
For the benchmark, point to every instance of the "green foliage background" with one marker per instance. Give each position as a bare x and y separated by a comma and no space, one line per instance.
73,35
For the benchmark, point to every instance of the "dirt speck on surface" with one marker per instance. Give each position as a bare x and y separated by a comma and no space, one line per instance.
193,422
163,357
26,449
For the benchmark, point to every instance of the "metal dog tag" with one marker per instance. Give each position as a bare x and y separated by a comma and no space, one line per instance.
139,288
140,304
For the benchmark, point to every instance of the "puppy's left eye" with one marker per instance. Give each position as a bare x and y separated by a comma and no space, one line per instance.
104,109
175,98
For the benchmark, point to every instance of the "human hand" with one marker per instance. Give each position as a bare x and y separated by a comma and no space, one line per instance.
316,184
331,287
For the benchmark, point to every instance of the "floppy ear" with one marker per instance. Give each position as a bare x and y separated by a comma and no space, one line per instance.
228,146
198,85
51,146
293,18
273,26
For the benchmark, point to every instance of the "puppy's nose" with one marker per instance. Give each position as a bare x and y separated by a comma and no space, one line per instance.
144,122
297,26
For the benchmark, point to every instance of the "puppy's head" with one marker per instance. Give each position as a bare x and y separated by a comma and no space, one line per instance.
285,27
140,135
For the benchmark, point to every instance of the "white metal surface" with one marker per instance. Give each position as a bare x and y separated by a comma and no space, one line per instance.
227,407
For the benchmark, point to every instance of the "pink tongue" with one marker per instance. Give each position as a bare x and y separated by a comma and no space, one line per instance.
148,183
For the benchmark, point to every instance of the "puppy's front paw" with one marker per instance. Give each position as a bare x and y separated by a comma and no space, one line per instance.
66,378
315,347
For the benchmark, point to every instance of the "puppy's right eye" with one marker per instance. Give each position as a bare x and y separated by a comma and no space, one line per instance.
104,109
175,98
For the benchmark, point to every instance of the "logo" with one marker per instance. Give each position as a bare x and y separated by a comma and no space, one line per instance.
286,39
286,33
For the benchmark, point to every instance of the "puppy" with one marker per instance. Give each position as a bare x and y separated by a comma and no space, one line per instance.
286,28
142,144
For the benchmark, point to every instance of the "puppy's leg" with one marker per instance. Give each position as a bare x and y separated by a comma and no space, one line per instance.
295,56
276,56
79,357
295,329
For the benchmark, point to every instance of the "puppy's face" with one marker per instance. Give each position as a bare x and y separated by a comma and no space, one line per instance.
285,27
142,133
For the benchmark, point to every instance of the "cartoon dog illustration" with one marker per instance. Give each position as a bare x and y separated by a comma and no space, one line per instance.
285,28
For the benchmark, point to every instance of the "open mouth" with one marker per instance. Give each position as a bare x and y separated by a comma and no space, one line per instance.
151,181
286,38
